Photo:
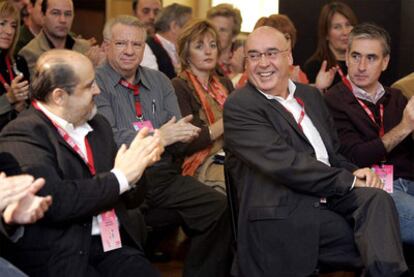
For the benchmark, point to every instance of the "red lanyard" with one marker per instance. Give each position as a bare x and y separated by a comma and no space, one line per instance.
9,68
345,80
302,112
69,140
347,83
371,116
135,89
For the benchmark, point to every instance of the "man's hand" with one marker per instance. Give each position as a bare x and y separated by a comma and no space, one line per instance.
29,208
13,188
182,130
406,126
408,115
365,177
143,152
96,54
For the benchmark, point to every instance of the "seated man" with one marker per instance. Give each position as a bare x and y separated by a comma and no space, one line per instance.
87,231
302,205
19,205
375,123
133,96
58,17
168,26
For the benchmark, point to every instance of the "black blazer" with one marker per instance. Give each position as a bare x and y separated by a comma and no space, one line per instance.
164,62
58,244
279,180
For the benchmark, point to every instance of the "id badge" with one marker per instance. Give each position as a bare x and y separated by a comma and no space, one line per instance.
386,174
138,125
109,227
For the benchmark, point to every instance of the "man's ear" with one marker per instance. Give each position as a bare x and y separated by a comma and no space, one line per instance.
290,58
385,62
58,97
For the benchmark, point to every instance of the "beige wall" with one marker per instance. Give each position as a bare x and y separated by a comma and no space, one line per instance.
117,7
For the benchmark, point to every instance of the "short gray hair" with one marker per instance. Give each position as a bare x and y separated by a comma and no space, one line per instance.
127,20
174,12
371,31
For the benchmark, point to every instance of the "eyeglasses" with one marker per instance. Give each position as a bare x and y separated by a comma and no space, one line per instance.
272,54
123,44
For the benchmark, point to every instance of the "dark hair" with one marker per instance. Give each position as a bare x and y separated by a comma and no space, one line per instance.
323,52
193,30
280,22
44,6
371,31
174,12
57,74
33,2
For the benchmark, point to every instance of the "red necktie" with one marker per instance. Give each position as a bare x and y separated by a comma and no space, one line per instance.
135,89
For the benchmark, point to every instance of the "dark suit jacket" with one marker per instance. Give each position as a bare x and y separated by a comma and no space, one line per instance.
279,180
359,136
164,62
58,244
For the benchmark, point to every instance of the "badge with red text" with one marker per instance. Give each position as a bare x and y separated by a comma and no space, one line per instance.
138,125
109,227
386,174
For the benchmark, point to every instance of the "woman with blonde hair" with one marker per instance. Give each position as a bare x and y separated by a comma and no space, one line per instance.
14,74
202,93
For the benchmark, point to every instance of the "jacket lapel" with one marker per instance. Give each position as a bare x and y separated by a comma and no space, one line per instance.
60,139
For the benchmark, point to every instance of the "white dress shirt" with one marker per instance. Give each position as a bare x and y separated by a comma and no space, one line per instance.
78,135
171,50
310,131
149,59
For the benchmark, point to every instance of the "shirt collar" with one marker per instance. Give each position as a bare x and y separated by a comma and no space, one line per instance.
114,77
168,45
69,43
291,88
84,129
362,94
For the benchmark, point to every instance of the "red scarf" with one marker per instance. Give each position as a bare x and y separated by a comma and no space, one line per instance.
219,93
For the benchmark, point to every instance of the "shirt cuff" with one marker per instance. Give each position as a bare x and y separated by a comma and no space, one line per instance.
122,180
353,184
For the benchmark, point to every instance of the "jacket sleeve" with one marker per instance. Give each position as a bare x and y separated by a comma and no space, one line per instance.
250,133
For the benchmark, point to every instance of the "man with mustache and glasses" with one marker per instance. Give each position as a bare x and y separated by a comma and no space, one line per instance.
134,96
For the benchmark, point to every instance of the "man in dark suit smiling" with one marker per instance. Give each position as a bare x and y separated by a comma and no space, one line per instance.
302,205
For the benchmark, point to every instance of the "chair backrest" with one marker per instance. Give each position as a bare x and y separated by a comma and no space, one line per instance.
232,198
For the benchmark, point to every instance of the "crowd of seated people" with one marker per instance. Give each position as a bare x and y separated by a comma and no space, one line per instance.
322,156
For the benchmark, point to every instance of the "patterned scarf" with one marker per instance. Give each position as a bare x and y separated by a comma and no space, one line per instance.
219,93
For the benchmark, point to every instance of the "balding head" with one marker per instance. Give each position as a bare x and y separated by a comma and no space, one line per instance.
57,69
268,60
258,34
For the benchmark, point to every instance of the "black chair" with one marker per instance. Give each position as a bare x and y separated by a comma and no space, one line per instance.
232,199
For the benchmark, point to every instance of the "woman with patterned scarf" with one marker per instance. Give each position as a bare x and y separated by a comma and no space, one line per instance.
202,93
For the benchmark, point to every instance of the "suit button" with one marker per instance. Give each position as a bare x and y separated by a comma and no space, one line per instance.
316,205
81,252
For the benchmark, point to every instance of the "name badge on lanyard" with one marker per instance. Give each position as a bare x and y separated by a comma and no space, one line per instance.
386,174
109,227
138,125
